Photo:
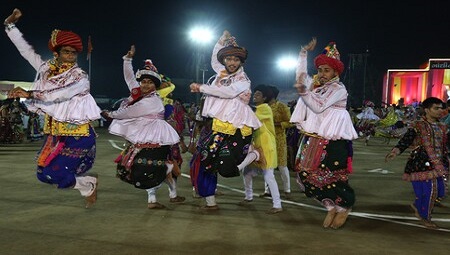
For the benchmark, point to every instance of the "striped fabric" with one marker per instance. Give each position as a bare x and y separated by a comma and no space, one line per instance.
65,38
239,52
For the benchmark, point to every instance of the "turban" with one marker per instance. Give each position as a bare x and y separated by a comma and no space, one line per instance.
330,56
61,38
149,71
232,49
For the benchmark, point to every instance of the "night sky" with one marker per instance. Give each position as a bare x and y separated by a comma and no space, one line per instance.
396,35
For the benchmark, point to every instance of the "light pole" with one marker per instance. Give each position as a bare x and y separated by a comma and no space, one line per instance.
203,74
201,36
365,73
286,64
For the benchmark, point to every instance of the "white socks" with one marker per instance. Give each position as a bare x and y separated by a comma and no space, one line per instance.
251,156
210,200
152,193
169,168
85,184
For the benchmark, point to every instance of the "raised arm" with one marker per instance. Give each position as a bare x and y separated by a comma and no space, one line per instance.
16,37
302,58
301,72
215,64
128,72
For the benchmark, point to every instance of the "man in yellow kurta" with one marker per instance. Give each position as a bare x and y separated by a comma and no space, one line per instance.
281,117
265,143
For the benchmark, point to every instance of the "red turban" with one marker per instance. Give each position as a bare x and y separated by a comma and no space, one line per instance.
65,38
336,64
330,56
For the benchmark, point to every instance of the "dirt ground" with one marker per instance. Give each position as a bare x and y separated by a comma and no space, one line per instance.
39,219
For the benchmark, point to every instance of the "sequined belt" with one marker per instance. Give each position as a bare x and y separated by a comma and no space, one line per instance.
312,135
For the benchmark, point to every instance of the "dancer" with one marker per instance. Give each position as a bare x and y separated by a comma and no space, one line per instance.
324,157
427,165
367,121
145,162
226,139
61,92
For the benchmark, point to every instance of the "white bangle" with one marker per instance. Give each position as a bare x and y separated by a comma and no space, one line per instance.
9,26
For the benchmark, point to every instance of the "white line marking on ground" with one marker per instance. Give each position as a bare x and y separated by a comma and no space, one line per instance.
114,145
381,217
380,170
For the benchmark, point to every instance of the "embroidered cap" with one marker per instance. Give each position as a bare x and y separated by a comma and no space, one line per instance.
149,71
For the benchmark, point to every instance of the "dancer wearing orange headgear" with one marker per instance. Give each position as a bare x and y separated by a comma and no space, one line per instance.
61,93
324,157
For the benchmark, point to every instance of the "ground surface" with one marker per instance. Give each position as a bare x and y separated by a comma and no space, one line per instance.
40,219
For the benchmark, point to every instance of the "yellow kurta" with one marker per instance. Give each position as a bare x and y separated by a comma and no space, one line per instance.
264,137
281,117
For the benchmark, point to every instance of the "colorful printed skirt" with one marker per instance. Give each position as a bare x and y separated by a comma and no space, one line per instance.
145,168
62,158
322,170
217,153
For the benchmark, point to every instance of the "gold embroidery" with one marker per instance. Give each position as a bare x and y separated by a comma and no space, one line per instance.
57,128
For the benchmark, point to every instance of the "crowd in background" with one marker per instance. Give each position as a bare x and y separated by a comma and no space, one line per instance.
17,123
386,121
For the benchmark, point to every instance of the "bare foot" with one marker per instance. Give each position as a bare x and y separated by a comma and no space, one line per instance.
340,219
329,218
427,223
92,198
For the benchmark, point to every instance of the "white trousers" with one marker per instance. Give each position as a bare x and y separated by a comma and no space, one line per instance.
285,178
269,178
172,184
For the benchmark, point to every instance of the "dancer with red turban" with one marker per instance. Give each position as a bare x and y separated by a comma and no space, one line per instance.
324,157
61,93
